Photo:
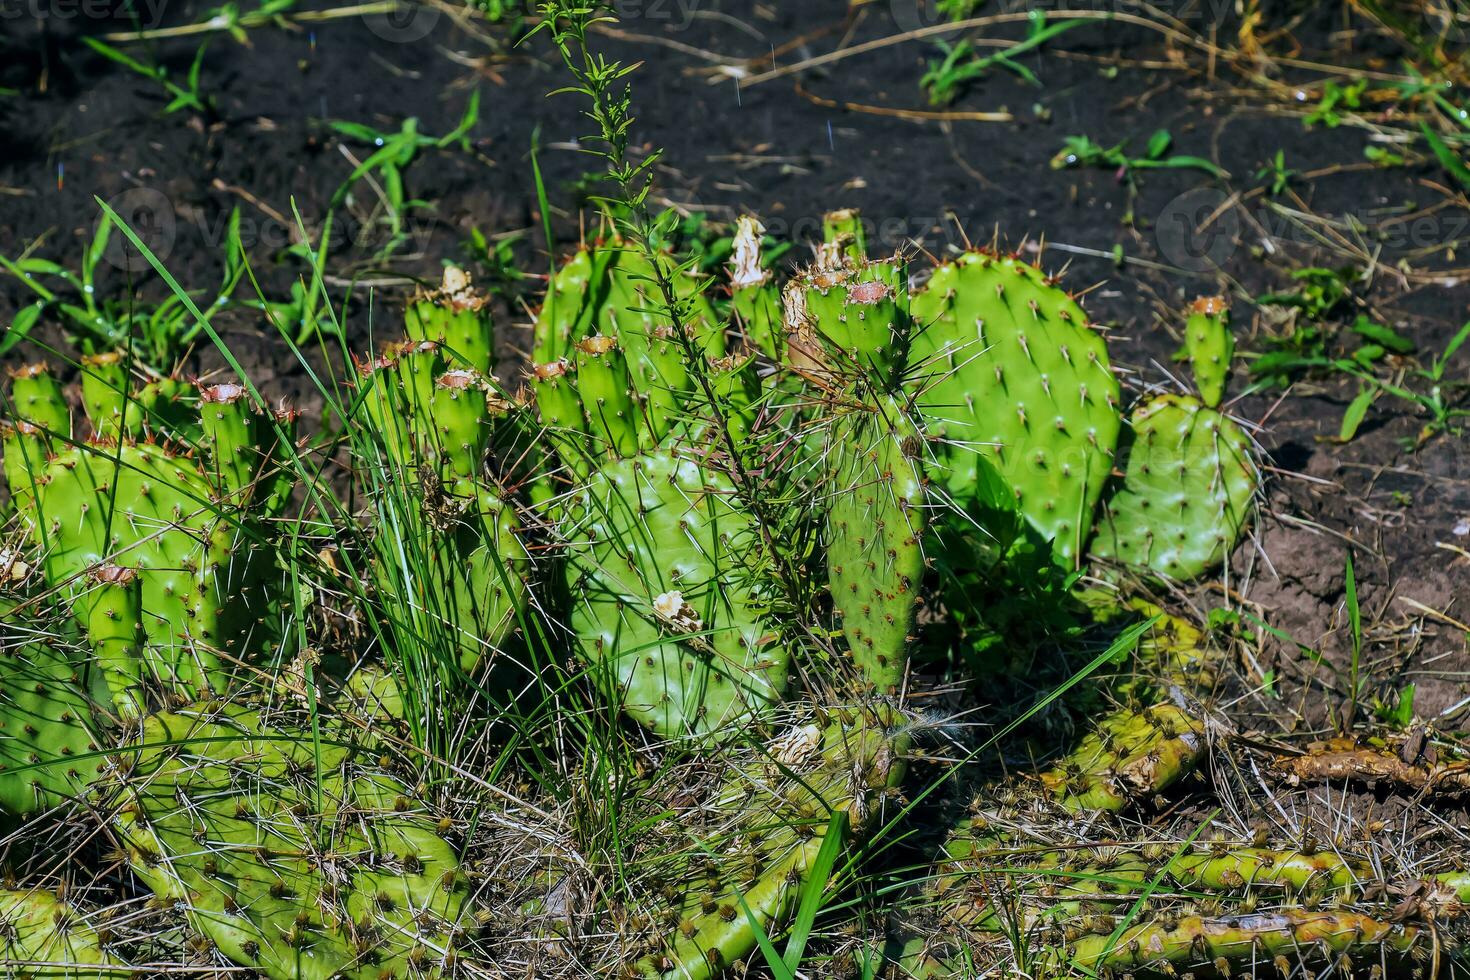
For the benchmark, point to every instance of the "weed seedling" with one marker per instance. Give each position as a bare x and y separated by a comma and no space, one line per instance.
386,165
946,79
186,96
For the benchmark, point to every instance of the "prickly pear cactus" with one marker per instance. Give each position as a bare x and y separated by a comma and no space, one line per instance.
875,527
295,856
456,316
774,817
36,397
664,567
859,311
608,295
105,385
1008,372
48,754
165,408
140,506
44,938
449,562
844,237
1210,345
1186,498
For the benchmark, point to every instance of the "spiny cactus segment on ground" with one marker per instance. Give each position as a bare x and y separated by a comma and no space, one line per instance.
293,854
45,938
775,815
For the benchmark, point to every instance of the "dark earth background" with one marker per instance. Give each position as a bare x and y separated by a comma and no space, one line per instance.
770,150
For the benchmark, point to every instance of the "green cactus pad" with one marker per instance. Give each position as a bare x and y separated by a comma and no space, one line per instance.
26,454
1009,372
47,752
875,527
1210,345
164,409
577,293
294,855
613,414
44,938
36,397
774,817
665,567
137,505
860,309
114,623
1132,754
844,236
105,392
455,316
1186,498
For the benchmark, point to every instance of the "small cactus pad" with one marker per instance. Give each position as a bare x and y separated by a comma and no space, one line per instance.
36,397
612,291
296,856
455,316
875,527
1132,754
105,392
47,752
1009,371
137,505
1210,346
665,567
1186,498
164,409
44,938
449,563
861,310
773,818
